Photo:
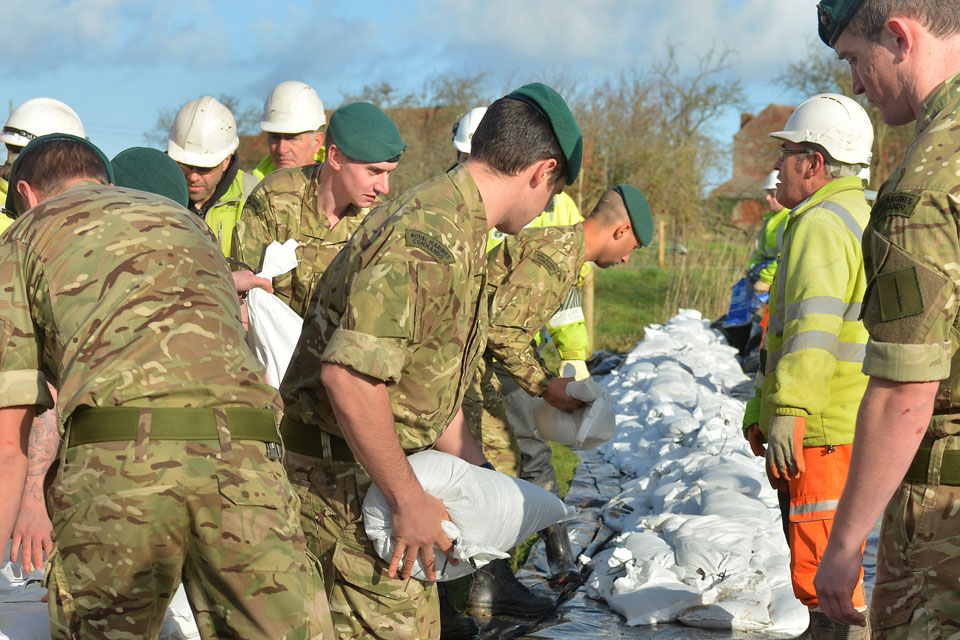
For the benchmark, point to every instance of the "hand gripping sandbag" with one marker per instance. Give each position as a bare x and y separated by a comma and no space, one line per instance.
274,326
585,428
490,513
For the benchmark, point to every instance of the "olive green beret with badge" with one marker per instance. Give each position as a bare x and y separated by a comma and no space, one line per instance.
552,106
10,205
365,133
151,170
638,211
833,17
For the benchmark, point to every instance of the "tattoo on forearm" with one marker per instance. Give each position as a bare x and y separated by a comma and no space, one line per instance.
41,448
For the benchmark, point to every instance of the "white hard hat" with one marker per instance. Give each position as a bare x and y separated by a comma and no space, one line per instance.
465,130
836,123
773,179
292,107
203,134
38,117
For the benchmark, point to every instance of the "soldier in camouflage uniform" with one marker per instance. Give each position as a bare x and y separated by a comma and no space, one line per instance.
905,55
321,205
170,466
392,337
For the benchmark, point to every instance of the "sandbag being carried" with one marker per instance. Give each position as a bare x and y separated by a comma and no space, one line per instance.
584,428
274,327
490,512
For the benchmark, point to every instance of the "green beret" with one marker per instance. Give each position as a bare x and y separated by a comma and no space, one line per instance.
833,16
553,107
10,204
147,169
639,212
365,133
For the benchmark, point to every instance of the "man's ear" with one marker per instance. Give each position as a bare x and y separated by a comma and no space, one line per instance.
334,157
543,171
621,230
28,196
898,36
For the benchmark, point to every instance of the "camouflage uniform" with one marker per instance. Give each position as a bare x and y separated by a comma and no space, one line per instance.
124,301
530,277
284,205
405,303
912,259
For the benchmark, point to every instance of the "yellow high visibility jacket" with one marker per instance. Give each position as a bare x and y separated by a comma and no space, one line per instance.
222,217
5,220
266,165
815,342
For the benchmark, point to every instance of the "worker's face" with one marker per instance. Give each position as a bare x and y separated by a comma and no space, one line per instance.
203,181
620,244
361,182
771,198
294,149
792,165
875,70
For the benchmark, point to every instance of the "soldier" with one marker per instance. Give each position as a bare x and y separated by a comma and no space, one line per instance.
170,466
905,56
202,140
391,340
321,205
530,276
294,121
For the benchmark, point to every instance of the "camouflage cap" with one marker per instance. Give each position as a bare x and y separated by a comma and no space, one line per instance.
639,212
152,170
554,108
365,133
833,17
10,204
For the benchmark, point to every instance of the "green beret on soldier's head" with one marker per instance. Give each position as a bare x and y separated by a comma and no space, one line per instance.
638,210
10,204
554,108
365,133
833,17
151,170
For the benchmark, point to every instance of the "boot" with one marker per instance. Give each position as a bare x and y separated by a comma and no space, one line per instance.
823,628
497,592
563,568
453,624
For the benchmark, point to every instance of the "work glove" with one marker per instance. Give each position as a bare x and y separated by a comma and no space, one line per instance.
755,436
761,287
579,369
785,447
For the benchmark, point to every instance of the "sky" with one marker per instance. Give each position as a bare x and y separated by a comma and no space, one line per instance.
118,63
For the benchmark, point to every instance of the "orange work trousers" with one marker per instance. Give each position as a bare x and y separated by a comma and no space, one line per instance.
813,502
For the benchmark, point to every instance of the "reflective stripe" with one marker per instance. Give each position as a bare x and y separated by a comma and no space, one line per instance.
567,316
843,352
812,340
850,352
817,304
775,324
773,359
780,232
844,215
813,507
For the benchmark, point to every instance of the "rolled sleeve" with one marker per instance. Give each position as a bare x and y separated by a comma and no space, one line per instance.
908,362
379,358
24,388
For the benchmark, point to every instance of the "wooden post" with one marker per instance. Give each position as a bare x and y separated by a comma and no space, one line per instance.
662,235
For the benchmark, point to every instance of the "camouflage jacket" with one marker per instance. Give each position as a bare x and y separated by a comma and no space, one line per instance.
530,276
284,205
119,297
912,258
405,303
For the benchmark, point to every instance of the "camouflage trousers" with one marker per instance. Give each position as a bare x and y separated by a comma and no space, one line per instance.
364,601
917,590
131,521
486,419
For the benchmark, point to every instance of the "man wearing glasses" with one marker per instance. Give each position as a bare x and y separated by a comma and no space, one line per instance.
810,383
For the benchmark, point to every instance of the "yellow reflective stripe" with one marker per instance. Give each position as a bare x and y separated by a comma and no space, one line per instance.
829,305
845,216
812,340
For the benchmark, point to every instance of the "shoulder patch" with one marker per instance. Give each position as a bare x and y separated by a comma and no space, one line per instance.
896,203
899,293
545,261
429,245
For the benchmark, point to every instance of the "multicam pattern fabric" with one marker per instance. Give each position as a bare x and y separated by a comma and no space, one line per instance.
912,257
485,416
405,303
283,206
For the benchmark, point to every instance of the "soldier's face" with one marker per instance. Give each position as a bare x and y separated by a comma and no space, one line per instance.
875,70
202,181
619,246
362,182
294,149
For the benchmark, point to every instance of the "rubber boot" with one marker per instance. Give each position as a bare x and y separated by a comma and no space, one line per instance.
823,628
562,566
453,624
497,592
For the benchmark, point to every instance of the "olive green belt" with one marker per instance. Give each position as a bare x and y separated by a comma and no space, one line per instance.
949,467
308,441
111,424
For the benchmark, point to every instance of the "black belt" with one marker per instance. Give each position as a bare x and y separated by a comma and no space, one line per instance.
949,467
308,441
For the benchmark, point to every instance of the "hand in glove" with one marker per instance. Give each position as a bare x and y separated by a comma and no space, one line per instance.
579,371
756,440
785,447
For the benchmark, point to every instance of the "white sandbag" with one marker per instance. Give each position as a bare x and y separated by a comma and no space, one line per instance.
650,594
274,328
584,428
744,613
178,622
788,616
490,512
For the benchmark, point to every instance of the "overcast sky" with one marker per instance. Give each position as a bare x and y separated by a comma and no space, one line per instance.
117,62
